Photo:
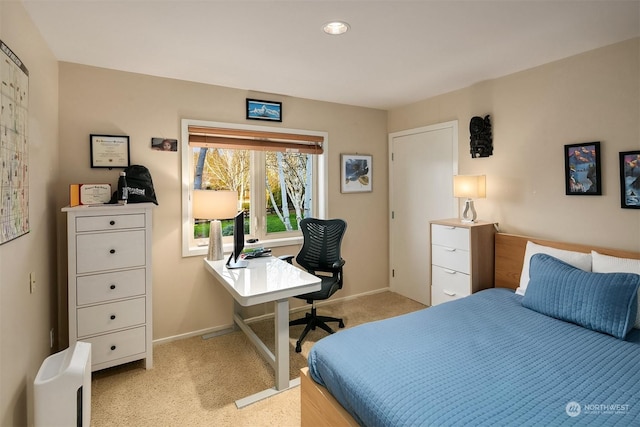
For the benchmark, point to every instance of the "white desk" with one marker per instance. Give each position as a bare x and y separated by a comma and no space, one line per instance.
266,279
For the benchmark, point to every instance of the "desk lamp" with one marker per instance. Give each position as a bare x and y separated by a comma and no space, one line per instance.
469,186
214,206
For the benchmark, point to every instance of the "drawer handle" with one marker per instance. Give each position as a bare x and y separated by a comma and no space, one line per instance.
446,270
112,317
112,222
451,294
450,249
112,287
112,251
113,347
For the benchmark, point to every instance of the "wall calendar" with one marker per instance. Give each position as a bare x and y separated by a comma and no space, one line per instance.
14,154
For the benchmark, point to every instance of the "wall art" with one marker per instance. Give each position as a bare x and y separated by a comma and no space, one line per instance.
264,110
109,151
14,146
164,144
630,179
356,173
582,169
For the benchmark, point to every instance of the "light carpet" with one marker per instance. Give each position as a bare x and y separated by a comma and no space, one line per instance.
195,382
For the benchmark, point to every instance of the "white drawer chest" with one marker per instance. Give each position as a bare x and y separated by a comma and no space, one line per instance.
109,282
462,258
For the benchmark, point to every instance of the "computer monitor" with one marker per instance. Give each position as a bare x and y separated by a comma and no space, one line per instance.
234,260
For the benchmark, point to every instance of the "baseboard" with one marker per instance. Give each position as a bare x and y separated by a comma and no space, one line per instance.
263,317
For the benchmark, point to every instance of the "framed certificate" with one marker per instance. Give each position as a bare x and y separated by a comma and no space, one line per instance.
109,151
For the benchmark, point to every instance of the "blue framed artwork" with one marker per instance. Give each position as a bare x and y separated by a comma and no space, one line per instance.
582,169
630,179
264,110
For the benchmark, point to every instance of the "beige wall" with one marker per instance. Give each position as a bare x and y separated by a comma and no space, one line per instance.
594,96
590,97
25,319
185,297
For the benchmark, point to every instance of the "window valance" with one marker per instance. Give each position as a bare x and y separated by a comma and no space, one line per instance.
243,139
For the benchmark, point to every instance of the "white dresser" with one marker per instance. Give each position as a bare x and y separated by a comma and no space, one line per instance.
462,258
109,282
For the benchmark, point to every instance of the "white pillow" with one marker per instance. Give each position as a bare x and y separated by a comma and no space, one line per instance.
610,264
577,259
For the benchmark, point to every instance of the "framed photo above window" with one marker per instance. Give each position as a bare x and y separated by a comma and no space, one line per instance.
264,110
582,169
356,172
630,179
109,151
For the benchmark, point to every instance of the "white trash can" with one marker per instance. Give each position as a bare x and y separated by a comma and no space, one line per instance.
62,388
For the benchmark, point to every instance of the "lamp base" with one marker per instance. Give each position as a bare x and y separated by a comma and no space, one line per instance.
469,214
215,252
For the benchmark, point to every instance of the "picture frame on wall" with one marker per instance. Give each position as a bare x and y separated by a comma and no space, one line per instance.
109,151
582,169
630,179
264,110
356,173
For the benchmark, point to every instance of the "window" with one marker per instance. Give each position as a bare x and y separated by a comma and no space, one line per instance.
279,175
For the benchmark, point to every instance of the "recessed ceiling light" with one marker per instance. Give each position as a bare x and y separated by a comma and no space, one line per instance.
335,28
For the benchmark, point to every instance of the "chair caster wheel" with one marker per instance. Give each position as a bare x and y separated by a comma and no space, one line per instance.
298,347
341,324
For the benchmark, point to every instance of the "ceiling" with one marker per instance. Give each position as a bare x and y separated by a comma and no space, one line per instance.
397,52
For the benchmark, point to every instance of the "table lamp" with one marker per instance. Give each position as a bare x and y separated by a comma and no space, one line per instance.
214,206
469,186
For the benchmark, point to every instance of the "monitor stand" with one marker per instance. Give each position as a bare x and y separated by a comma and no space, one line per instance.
239,263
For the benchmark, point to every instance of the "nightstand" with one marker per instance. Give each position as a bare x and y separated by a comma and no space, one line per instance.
462,258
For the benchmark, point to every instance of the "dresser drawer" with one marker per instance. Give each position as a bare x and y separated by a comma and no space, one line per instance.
109,222
109,251
450,257
108,317
109,286
117,345
448,285
455,237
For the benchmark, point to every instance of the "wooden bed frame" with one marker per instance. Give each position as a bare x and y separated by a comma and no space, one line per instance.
319,408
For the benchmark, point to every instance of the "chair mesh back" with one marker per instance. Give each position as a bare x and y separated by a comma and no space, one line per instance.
322,240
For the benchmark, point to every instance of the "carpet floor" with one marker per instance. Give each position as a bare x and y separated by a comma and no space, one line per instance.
195,382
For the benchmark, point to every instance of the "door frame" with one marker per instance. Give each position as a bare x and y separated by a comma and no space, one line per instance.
453,125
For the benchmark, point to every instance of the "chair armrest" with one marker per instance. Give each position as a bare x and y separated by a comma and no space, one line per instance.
338,264
288,258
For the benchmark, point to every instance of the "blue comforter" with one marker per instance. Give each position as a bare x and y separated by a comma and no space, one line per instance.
483,360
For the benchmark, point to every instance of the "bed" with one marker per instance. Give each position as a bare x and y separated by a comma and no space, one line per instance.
496,357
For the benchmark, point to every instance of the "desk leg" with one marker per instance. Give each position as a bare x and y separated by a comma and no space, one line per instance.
282,343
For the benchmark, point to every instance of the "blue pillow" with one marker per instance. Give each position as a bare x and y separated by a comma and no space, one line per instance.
603,302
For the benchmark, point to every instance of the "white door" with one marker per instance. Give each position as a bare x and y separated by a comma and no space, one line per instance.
422,165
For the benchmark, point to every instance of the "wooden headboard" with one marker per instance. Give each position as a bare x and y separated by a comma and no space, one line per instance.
509,253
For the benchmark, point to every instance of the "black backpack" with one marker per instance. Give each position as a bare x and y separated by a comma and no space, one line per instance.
139,185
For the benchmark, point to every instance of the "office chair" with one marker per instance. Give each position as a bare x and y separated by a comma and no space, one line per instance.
320,253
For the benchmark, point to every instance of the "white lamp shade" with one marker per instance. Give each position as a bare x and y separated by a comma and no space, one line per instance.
470,186
211,204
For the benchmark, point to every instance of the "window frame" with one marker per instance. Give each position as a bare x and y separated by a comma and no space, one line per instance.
189,245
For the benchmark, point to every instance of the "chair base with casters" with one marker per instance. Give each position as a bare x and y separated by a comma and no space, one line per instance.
313,321
320,256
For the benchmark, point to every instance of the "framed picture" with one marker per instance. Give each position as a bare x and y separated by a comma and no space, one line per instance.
356,172
582,169
630,179
109,151
164,144
264,110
